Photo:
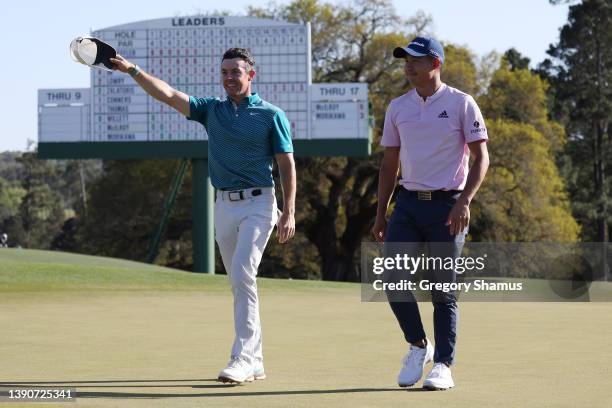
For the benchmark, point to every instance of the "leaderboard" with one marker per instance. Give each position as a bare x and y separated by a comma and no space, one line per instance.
339,110
186,52
64,115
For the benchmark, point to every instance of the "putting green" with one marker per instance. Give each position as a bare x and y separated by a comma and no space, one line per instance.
126,334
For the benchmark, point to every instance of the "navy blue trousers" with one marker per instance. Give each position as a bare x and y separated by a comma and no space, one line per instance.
420,227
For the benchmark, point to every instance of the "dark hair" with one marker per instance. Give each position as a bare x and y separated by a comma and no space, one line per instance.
241,53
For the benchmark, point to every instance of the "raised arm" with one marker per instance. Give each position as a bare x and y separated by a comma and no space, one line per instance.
155,87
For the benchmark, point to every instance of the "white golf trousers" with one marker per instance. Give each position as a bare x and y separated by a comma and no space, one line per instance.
242,229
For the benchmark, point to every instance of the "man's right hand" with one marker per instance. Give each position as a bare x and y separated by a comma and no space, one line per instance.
378,230
121,63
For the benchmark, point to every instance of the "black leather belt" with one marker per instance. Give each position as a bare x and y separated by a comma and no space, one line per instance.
431,195
239,195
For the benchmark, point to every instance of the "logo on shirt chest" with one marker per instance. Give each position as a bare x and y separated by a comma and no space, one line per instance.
443,115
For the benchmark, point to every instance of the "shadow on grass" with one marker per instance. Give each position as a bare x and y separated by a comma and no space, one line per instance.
121,395
144,395
66,383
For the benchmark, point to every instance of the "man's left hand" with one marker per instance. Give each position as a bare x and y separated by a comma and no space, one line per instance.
285,229
459,217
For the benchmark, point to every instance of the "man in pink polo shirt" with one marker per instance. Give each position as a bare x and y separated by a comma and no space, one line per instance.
431,131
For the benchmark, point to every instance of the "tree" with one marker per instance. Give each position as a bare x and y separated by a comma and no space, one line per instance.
41,211
516,60
580,71
10,198
42,215
524,197
459,69
73,179
125,206
10,170
516,95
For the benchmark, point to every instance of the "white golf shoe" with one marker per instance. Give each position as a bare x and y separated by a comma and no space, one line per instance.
237,371
413,364
439,378
258,370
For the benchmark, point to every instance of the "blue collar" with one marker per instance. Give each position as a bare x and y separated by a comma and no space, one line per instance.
250,100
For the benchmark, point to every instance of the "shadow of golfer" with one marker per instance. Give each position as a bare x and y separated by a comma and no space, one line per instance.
237,390
64,383
120,395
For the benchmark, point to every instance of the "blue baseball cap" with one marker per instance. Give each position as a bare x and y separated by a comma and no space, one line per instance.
420,47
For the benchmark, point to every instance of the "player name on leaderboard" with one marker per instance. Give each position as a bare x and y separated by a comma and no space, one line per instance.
186,52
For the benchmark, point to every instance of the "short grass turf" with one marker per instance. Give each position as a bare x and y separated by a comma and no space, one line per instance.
126,334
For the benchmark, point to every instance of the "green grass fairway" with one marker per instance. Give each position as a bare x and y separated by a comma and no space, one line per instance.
127,334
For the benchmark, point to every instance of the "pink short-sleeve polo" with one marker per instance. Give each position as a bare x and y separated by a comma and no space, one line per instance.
433,137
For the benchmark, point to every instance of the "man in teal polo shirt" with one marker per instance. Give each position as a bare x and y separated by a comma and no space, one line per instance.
245,136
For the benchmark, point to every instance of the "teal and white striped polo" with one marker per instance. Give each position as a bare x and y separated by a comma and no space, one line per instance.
242,140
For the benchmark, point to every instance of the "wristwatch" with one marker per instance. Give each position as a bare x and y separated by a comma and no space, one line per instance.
134,70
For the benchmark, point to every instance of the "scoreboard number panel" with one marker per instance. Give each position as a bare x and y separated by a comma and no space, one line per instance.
188,57
339,111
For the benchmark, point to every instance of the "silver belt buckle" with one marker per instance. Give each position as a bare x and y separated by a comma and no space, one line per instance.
424,195
235,195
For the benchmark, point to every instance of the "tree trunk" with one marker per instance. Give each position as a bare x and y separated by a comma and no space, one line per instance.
600,191
83,189
601,130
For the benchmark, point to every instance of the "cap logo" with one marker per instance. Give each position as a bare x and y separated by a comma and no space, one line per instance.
417,43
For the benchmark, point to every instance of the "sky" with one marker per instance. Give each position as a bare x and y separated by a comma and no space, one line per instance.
36,34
